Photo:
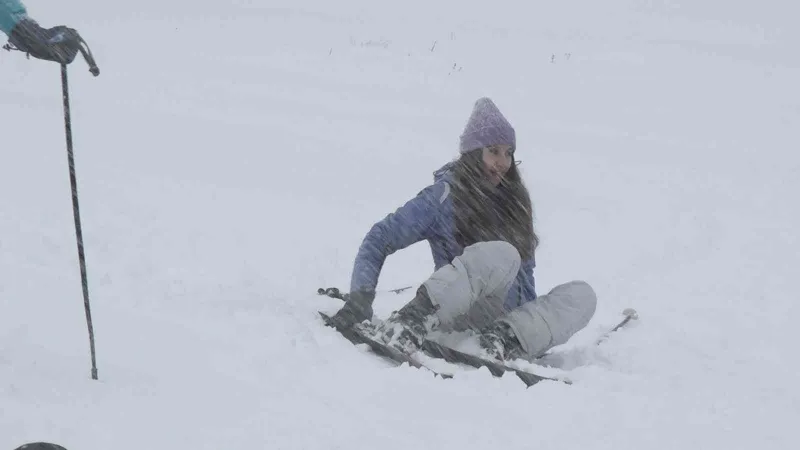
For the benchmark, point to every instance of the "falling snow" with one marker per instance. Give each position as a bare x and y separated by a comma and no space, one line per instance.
231,158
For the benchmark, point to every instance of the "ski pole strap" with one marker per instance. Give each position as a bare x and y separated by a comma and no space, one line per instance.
87,55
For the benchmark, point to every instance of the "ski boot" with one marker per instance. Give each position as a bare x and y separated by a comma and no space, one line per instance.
499,343
405,329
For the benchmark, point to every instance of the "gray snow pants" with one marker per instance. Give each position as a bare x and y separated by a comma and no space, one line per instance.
471,290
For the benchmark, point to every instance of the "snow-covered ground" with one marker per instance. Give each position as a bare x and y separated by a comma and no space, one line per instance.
232,156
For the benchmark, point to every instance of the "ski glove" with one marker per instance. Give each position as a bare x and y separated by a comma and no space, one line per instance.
356,309
60,44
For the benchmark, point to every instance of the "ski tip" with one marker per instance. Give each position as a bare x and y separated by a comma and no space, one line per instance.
326,318
630,312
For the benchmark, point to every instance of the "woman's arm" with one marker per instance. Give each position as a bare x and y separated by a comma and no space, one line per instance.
409,224
11,12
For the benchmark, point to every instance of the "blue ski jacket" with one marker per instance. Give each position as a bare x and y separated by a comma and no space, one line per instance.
428,216
11,12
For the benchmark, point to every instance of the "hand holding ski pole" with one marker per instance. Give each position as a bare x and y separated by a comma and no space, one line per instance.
59,44
357,308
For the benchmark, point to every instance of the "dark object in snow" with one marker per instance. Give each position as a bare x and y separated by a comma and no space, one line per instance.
40,446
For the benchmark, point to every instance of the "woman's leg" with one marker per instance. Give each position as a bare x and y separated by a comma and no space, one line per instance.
552,318
470,291
467,293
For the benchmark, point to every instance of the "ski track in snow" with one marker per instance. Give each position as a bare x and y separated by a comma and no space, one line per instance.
230,160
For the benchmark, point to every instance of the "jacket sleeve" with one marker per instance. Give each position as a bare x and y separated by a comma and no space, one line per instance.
408,225
530,286
11,12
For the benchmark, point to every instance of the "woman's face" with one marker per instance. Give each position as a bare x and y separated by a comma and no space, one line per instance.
497,159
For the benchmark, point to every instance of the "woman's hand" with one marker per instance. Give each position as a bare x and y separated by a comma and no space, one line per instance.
357,308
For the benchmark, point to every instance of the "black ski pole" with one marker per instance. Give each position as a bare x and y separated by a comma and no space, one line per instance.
77,216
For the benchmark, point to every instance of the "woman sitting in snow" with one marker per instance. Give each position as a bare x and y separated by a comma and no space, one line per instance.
477,217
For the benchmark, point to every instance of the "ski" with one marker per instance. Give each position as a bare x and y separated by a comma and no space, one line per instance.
497,369
451,355
348,333
358,336
434,350
391,352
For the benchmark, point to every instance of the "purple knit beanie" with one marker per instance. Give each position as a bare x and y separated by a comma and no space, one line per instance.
486,126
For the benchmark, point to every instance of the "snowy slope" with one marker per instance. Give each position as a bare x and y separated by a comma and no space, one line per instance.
232,156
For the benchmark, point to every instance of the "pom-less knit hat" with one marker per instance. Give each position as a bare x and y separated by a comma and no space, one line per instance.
486,126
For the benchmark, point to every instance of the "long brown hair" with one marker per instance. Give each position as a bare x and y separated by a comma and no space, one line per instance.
485,214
